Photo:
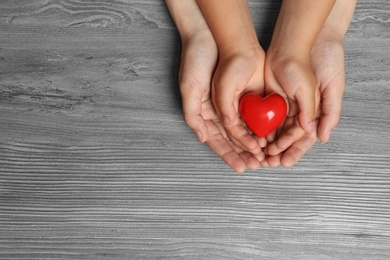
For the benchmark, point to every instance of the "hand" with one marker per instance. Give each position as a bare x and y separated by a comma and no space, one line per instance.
198,62
292,77
240,66
235,75
327,58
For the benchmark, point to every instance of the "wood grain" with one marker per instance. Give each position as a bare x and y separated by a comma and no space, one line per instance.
97,163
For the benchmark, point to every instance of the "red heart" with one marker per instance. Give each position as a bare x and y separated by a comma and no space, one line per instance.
262,115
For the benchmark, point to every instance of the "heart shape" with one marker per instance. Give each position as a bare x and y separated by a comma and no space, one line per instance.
262,115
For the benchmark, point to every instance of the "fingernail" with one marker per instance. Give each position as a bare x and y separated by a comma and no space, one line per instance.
200,136
311,126
327,135
260,157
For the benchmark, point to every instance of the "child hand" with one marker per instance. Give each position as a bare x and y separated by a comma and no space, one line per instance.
292,77
235,75
328,65
327,60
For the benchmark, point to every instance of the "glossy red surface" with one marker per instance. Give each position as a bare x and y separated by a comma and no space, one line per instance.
262,115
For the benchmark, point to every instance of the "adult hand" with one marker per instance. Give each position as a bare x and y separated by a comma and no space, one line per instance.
329,67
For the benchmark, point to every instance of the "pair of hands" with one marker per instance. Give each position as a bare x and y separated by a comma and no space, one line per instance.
211,87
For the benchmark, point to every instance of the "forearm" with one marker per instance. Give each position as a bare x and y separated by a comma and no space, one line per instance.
231,24
187,17
340,17
298,25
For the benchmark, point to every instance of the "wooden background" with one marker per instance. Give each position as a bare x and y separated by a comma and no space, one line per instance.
97,163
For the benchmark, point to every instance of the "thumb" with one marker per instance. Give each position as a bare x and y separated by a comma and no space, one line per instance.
230,78
192,110
331,106
308,101
224,97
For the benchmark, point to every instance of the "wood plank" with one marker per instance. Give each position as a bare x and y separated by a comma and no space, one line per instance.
97,163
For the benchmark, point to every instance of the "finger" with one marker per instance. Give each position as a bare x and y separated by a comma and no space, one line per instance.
292,134
224,96
260,156
262,141
230,78
264,163
293,154
223,149
273,161
278,131
271,137
330,112
308,100
241,137
250,160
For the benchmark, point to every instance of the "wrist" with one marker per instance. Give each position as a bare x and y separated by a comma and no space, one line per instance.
277,60
284,51
290,46
331,33
244,42
248,57
187,17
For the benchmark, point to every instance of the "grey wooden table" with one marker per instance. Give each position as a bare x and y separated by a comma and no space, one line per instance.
97,163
